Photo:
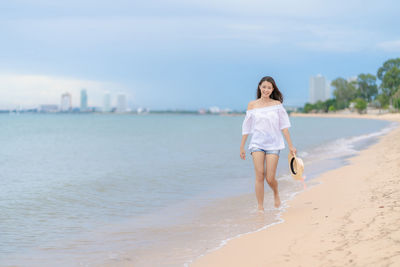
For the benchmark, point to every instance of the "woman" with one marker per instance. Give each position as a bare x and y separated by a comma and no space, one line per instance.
265,118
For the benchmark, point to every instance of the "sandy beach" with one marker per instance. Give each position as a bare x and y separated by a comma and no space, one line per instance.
350,219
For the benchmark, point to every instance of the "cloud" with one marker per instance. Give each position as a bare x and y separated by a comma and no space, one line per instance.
125,27
251,8
128,33
31,90
336,37
390,46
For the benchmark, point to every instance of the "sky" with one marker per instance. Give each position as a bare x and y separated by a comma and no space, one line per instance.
183,54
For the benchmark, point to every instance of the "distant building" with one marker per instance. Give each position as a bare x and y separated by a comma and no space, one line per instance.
121,103
107,102
214,110
66,102
291,109
226,111
84,100
319,89
142,110
48,108
95,109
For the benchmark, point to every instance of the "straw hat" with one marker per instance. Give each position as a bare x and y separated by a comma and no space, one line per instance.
296,167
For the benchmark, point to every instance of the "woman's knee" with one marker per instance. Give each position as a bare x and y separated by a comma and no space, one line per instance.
260,175
270,180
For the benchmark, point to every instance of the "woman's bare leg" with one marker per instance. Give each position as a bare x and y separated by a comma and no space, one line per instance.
259,160
272,162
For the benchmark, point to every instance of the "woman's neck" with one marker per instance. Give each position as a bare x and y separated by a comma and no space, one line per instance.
266,99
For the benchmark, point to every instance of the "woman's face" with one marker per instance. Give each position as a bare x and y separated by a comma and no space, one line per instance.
266,89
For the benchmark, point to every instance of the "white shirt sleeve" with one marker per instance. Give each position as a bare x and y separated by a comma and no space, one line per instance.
247,124
284,121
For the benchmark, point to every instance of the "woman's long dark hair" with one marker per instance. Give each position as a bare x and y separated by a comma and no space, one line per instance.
276,94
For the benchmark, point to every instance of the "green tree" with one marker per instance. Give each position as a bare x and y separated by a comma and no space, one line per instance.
344,92
330,103
308,107
319,105
360,104
367,88
396,103
331,108
396,99
389,74
383,100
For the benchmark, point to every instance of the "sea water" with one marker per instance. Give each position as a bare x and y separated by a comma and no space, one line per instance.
145,190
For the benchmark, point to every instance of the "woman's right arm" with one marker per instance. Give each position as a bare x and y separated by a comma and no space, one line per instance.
244,136
242,151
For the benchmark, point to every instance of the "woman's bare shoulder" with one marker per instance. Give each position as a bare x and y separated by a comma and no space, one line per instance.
251,105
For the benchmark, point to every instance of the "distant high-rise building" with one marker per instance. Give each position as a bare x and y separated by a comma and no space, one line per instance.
66,102
84,100
319,89
107,102
121,103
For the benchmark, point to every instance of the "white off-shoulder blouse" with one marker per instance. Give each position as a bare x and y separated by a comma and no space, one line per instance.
265,125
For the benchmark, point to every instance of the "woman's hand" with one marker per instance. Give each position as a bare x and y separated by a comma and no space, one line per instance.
293,150
242,153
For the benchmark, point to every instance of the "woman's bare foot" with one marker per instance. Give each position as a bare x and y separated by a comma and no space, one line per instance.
260,209
277,200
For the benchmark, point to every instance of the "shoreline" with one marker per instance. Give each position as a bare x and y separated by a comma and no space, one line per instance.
386,116
332,224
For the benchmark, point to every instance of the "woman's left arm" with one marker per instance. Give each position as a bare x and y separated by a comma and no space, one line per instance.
289,141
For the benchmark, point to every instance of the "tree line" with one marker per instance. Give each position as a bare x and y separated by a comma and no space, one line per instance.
364,91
